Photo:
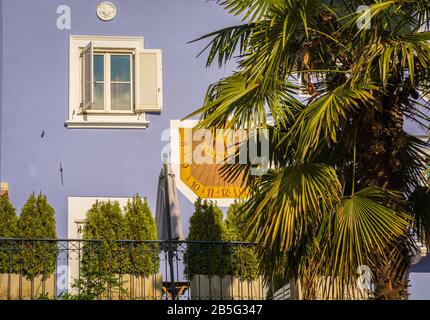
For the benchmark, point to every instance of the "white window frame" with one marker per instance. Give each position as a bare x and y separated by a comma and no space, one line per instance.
107,81
94,118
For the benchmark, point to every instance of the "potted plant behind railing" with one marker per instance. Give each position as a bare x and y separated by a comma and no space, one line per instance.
8,229
144,280
206,264
116,269
224,267
220,269
247,283
35,259
101,258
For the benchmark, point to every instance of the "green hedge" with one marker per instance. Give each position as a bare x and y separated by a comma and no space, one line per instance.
8,229
245,262
139,224
206,224
105,221
37,221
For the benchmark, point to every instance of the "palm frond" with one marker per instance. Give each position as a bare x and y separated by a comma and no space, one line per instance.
364,225
420,200
415,160
363,229
322,118
287,202
226,42
362,83
250,9
234,102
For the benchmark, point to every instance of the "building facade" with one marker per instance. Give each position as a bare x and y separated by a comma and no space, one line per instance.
76,142
44,147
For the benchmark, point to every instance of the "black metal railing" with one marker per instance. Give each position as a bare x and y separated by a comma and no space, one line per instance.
128,270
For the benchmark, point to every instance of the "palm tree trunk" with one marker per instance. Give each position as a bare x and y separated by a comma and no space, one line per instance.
381,165
391,275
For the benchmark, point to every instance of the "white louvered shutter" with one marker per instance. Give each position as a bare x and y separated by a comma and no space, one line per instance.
149,91
88,77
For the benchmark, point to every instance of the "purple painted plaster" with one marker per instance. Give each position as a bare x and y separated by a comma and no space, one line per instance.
96,162
1,72
34,99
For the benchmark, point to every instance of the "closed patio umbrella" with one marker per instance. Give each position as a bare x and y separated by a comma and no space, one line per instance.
168,217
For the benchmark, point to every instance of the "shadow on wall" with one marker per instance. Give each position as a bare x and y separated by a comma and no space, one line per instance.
423,266
419,280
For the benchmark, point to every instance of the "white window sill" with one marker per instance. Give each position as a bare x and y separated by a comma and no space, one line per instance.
106,125
107,122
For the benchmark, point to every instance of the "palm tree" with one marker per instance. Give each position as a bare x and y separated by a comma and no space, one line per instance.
347,185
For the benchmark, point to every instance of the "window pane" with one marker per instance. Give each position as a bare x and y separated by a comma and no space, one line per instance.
120,68
99,68
121,96
99,97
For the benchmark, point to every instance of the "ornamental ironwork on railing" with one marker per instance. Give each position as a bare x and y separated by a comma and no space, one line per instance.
129,270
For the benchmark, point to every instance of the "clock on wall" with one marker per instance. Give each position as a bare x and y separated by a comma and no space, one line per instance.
106,11
201,180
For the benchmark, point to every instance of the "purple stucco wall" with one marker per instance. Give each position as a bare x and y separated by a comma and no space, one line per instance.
34,99
96,162
1,73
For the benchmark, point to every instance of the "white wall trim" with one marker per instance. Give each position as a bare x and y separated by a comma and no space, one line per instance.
78,124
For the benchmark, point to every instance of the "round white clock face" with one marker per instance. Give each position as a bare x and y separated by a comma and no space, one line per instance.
106,11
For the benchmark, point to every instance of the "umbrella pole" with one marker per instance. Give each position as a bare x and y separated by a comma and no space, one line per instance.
172,274
169,234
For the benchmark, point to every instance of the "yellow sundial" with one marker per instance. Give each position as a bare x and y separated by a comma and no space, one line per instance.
204,179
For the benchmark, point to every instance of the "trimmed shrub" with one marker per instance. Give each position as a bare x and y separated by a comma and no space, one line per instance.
103,260
234,225
139,224
37,221
8,218
104,222
245,262
206,224
8,229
